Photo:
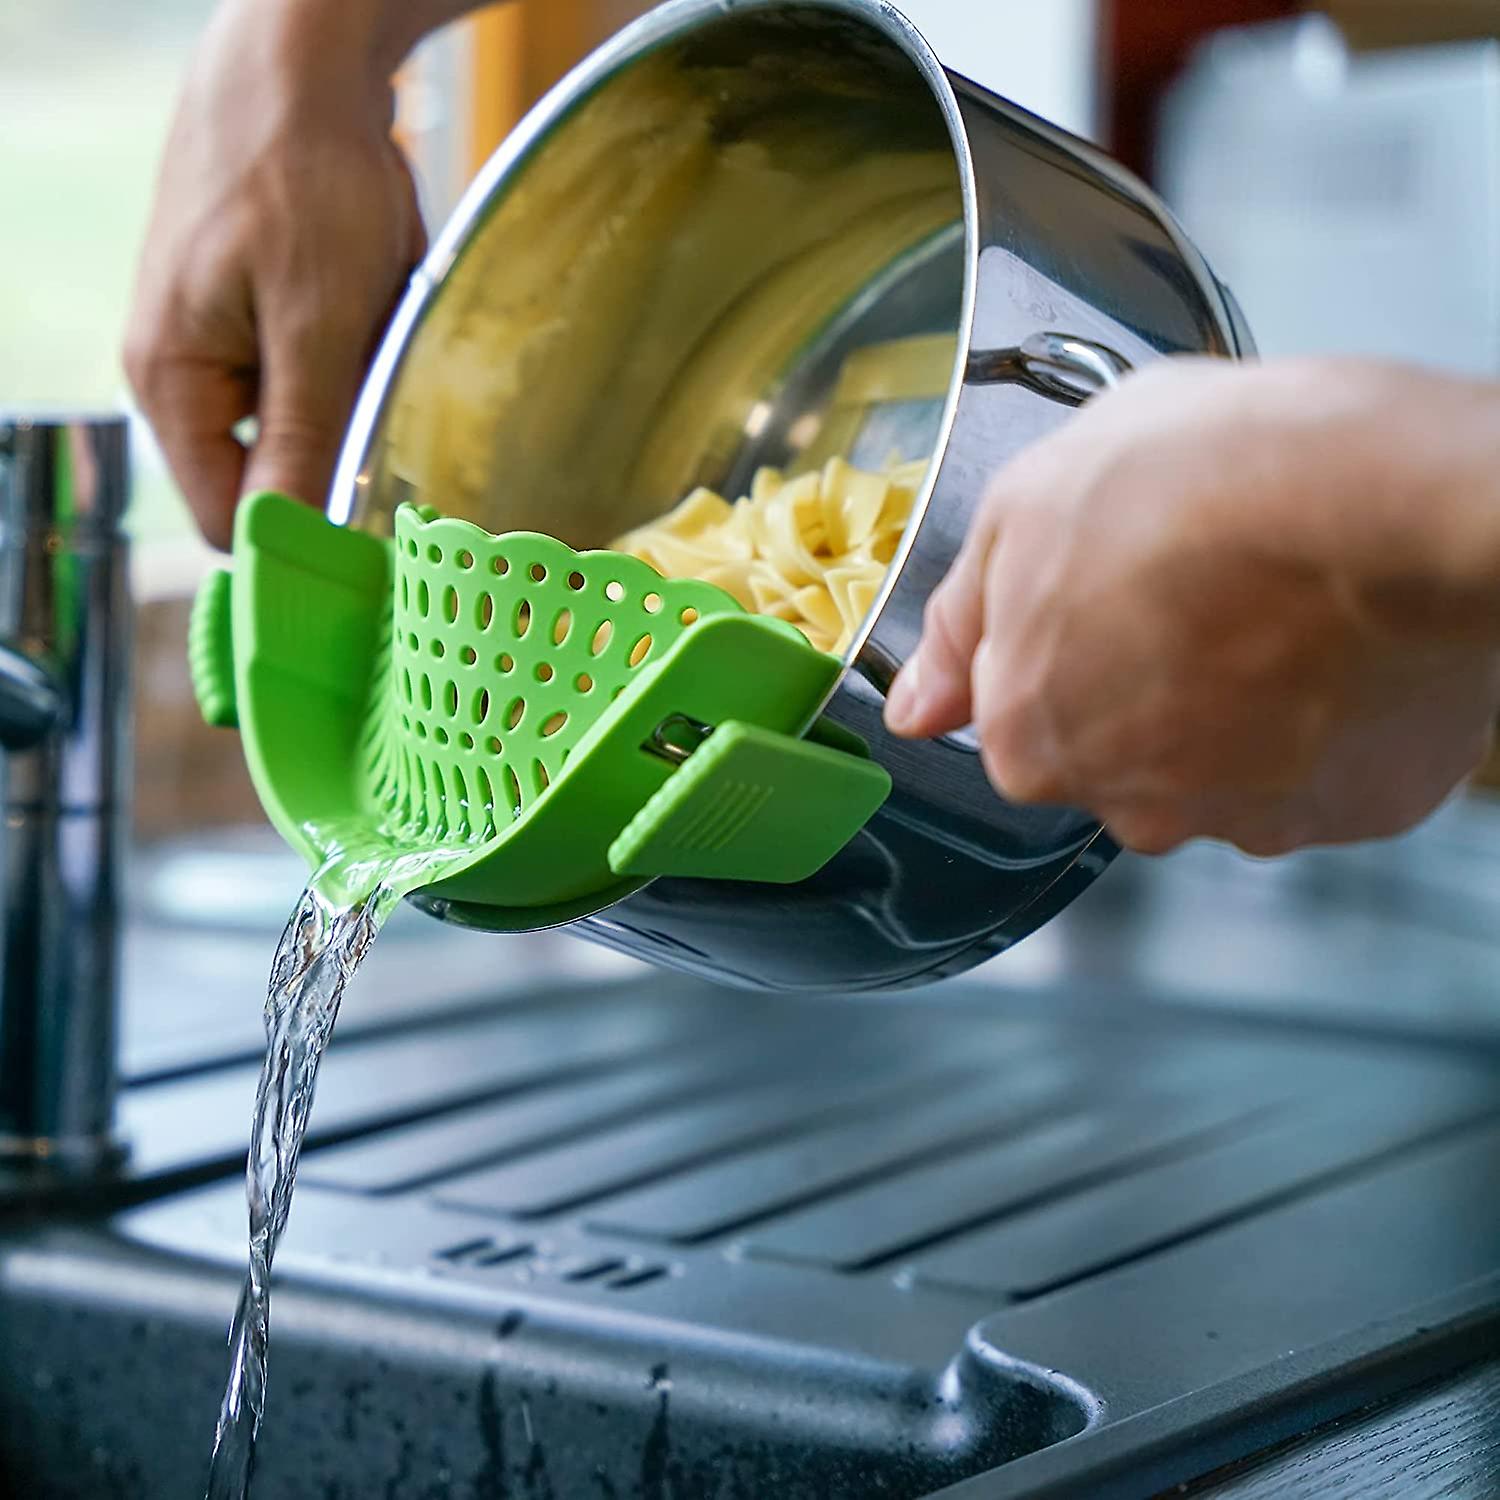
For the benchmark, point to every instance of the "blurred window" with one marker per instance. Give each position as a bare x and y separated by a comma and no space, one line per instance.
86,89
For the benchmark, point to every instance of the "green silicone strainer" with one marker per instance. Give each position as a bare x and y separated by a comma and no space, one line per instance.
515,724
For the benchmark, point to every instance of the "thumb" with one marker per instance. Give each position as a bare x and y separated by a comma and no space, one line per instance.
932,693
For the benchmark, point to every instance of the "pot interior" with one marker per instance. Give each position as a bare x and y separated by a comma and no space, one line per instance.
735,239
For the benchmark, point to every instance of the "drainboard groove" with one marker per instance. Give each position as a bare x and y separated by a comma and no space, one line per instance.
644,1277
464,1249
495,1131
1125,1166
590,1270
504,1253
761,1184
1253,1208
875,1226
671,1141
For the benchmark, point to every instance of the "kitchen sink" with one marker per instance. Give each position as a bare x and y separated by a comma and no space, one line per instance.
626,1235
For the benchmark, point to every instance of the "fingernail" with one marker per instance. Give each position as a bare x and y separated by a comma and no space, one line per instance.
906,691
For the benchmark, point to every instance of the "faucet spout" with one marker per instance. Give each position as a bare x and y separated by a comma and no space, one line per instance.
64,756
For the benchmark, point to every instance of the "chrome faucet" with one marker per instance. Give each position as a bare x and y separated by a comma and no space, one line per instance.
64,765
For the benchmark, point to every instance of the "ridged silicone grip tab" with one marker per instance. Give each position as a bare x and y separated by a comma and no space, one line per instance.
751,804
211,652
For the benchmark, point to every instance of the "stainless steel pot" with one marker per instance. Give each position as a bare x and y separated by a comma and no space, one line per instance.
657,282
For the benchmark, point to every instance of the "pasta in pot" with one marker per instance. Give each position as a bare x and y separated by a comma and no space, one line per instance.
812,549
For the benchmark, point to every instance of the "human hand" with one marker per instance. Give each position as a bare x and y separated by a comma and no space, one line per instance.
284,227
1253,603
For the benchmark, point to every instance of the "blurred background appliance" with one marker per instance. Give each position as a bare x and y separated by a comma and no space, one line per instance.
1352,200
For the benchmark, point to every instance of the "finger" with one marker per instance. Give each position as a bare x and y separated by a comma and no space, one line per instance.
1017,740
314,358
310,377
193,406
1149,827
931,694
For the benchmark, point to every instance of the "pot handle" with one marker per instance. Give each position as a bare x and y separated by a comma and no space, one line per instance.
1056,365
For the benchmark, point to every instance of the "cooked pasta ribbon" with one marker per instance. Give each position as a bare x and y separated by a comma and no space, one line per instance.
812,549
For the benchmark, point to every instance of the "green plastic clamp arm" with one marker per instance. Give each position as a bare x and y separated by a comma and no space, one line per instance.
307,620
752,804
211,652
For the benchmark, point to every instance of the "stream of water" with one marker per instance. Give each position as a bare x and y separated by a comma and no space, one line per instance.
322,947
326,940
